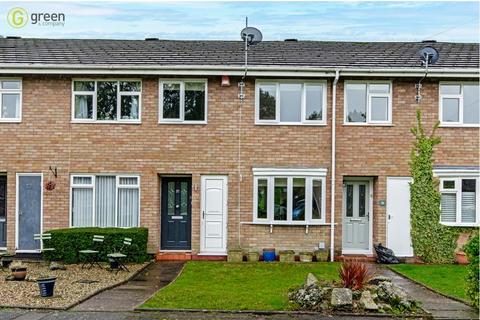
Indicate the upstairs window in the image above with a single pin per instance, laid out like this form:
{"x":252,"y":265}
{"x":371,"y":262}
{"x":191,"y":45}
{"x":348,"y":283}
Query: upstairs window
{"x":183,"y":101}
{"x":289,"y":197}
{"x":459,"y":201}
{"x":368,"y":103}
{"x":459,"y":104}
{"x":290,"y":102}
{"x":10,"y":100}
{"x":106,"y":100}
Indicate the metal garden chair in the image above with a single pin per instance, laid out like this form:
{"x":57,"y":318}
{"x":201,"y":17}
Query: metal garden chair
{"x":42,"y":237}
{"x":119,"y":257}
{"x":91,"y":256}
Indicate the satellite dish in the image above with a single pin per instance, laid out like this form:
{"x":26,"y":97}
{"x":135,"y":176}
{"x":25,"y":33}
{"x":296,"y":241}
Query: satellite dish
{"x":251,"y":35}
{"x":428,"y":55}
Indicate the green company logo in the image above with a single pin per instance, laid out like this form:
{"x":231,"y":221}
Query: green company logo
{"x":17,"y":17}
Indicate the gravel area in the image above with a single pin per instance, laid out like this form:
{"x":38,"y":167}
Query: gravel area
{"x":67,"y":288}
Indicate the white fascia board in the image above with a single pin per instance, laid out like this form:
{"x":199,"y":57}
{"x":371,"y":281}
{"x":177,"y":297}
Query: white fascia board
{"x":456,"y":173}
{"x":280,"y":71}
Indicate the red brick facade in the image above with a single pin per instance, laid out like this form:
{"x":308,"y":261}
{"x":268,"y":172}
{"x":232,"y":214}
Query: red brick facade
{"x":229,"y":144}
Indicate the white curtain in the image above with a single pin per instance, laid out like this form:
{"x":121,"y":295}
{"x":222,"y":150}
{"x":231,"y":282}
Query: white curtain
{"x":105,"y":201}
{"x":127,"y":207}
{"x":81,"y":107}
{"x":82,"y":207}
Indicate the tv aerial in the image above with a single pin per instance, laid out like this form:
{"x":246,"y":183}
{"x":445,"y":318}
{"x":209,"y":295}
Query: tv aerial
{"x":251,"y":36}
{"x":428,"y":55}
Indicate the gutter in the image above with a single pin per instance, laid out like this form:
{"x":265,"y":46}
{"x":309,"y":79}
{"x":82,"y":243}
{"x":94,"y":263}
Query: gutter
{"x":333,"y":164}
{"x":271,"y":70}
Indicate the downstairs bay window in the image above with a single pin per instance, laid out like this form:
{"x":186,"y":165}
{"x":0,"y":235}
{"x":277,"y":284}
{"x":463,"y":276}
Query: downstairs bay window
{"x":105,"y":201}
{"x":291,"y":197}
{"x":460,"y":200}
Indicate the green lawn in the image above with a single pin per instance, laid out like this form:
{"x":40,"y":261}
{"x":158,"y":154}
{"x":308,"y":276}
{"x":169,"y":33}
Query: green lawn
{"x":237,"y":286}
{"x":448,"y":279}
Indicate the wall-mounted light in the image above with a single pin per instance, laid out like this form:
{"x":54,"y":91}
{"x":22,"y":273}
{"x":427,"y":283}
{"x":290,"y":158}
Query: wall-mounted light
{"x":225,"y":81}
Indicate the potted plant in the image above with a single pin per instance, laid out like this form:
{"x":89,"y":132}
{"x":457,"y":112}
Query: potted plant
{"x":287,"y":256}
{"x":113,"y":264}
{"x":321,"y":255}
{"x":7,"y":259}
{"x":19,"y":270}
{"x":46,"y":286}
{"x":461,"y":257}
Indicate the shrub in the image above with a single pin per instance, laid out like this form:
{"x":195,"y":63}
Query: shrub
{"x":354,"y":274}
{"x":67,"y":243}
{"x":471,"y":249}
{"x":432,"y":241}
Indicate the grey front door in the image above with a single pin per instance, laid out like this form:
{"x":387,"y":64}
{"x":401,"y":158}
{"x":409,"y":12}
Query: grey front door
{"x":3,"y":211}
{"x":356,"y":215}
{"x":29,"y":211}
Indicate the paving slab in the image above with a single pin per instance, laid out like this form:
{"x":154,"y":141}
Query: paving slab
{"x":131,"y":294}
{"x":438,"y":305}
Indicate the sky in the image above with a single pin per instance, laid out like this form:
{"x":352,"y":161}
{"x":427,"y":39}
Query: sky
{"x":342,"y":21}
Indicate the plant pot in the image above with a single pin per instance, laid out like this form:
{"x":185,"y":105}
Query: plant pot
{"x":113,"y":264}
{"x":461,"y":257}
{"x":321,"y":255}
{"x":235,"y":255}
{"x":6,"y":261}
{"x":19,"y":273}
{"x":253,"y":256}
{"x":46,"y":286}
{"x":269,"y":254}
{"x":305,"y":256}
{"x":287,"y":256}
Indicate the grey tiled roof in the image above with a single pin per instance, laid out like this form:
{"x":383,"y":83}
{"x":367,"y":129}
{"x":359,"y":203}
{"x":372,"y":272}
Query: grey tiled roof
{"x":230,"y":53}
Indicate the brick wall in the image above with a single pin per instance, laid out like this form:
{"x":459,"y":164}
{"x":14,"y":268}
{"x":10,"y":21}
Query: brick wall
{"x":229,"y":144}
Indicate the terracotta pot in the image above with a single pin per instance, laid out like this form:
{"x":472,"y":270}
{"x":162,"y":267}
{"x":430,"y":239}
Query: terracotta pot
{"x":19,"y":273}
{"x":461,"y":257}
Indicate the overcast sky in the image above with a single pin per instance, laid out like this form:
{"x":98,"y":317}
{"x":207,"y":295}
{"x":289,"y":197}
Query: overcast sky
{"x":357,"y":21}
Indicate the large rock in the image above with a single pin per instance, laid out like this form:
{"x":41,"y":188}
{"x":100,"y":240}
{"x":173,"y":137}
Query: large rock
{"x":309,"y":297}
{"x":311,"y":279}
{"x":341,"y":298}
{"x":394,"y":295}
{"x":367,"y":302}
{"x":57,"y":266}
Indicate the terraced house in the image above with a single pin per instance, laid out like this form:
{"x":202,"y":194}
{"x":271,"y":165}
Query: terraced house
{"x":153,"y":133}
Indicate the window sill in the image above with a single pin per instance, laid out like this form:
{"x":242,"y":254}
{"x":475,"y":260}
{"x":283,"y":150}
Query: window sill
{"x":368,"y":124}
{"x":183,"y":122}
{"x":323,"y":124}
{"x":104,"y":122}
{"x":10,"y":120}
{"x":454,"y":224}
{"x":277,"y":223}
{"x":448,"y":125}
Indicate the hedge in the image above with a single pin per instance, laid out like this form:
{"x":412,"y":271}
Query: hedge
{"x":67,"y":243}
{"x":472,"y":251}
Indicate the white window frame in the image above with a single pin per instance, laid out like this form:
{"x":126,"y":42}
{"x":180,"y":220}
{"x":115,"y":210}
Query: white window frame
{"x":303,"y":105}
{"x":369,"y":121}
{"x":270,"y":174}
{"x":92,"y":186}
{"x":460,"y":104}
{"x":14,"y":91}
{"x":180,"y":120}
{"x":94,"y":101}
{"x":458,"y":175}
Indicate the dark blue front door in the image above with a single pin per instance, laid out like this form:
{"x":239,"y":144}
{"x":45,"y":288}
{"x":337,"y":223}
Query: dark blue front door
{"x":3,"y":211}
{"x":176,"y":214}
{"x":29,"y":211}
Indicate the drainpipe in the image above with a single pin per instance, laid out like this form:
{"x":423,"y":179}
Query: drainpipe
{"x":332,"y":182}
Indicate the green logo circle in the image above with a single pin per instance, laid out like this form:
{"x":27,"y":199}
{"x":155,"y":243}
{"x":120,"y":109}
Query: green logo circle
{"x":17,"y":17}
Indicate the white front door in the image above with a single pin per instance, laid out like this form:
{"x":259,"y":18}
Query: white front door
{"x":213,"y":228}
{"x":356,"y":217}
{"x":398,"y":216}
